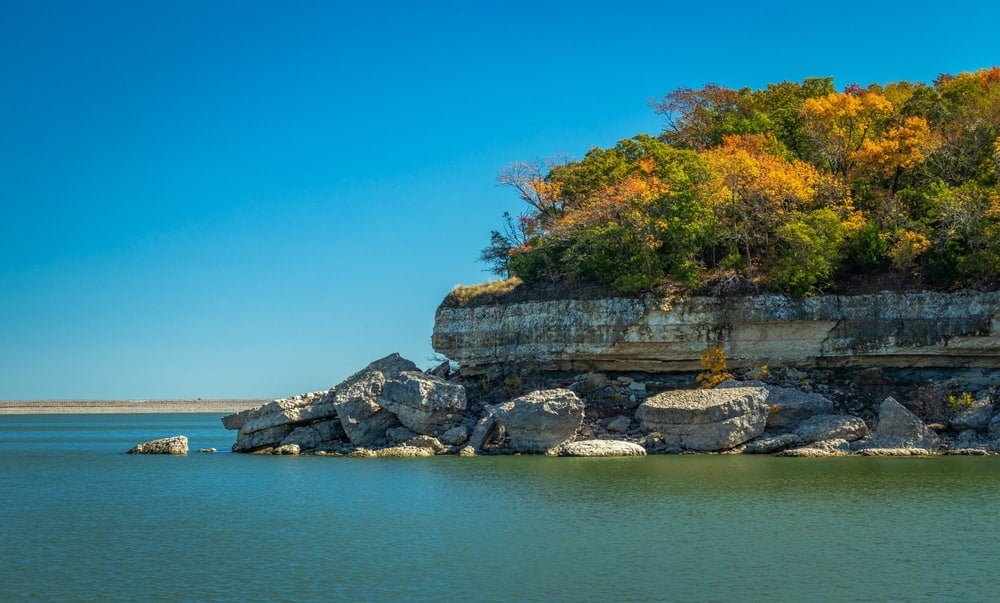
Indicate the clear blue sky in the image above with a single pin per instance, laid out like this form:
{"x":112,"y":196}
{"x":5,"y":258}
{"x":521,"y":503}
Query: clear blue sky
{"x":253,"y":199}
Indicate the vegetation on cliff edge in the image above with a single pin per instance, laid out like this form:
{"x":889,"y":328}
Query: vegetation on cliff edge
{"x":796,"y":188}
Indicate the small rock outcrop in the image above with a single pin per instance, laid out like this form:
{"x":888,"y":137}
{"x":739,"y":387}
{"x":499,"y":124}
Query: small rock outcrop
{"x":706,"y":420}
{"x":901,"y":429}
{"x":831,"y":427}
{"x":172,"y":445}
{"x":602,"y":448}
{"x":977,"y":416}
{"x":356,"y":401}
{"x":539,"y":421}
{"x":424,"y":403}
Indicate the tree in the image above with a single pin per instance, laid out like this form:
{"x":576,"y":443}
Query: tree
{"x":838,"y":124}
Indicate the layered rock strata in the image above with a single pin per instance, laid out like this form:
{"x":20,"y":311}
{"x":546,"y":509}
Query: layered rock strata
{"x":926,"y":329}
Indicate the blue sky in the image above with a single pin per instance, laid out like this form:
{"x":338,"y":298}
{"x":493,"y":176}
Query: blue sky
{"x":253,"y":199}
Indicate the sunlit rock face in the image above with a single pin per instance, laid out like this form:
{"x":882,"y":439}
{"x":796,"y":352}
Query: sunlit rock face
{"x":924,"y":329}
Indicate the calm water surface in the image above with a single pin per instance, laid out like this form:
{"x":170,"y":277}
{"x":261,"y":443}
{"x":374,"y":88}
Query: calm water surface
{"x":81,"y":521}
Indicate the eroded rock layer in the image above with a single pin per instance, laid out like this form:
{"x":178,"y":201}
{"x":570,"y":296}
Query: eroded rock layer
{"x":925,"y":329}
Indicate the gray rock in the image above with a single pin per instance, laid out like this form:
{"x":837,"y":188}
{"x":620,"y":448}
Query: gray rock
{"x":771,"y":444}
{"x":602,"y":448}
{"x":788,"y":407}
{"x":172,"y":445}
{"x":621,"y":424}
{"x":393,"y":452}
{"x":208,"y":450}
{"x":236,"y":420}
{"x":540,"y":420}
{"x":820,"y":449}
{"x":994,"y":427}
{"x":316,"y":435}
{"x":268,"y":425}
{"x":426,"y":441}
{"x":424,"y":403}
{"x":832,"y":427}
{"x":706,"y":420}
{"x":977,"y":416}
{"x":456,"y":436}
{"x":288,"y":450}
{"x":365,"y":421}
{"x":399,"y":434}
{"x":484,"y":431}
{"x":898,"y":428}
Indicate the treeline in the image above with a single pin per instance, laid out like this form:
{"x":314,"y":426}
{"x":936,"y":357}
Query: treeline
{"x":790,"y":188}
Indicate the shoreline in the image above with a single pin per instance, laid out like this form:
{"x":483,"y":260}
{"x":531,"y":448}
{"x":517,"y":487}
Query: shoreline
{"x":52,"y":407}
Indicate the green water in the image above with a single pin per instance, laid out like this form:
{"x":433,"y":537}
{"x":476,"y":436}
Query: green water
{"x":83,"y":522}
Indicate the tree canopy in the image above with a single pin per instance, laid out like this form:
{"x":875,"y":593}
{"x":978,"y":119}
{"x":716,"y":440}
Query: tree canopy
{"x":792,"y":188}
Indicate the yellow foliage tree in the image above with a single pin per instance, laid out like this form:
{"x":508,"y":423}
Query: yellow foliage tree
{"x":838,"y":124}
{"x":713,"y":360}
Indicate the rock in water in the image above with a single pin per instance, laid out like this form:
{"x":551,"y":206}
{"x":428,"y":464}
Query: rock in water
{"x":269,"y":425}
{"x":172,"y":445}
{"x":706,"y":419}
{"x":832,"y":427}
{"x":541,"y":420}
{"x":356,"y":400}
{"x":603,"y":448}
{"x":425,"y":404}
{"x":899,"y":428}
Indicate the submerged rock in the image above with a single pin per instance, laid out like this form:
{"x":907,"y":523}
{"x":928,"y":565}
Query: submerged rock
{"x":172,"y":445}
{"x":706,"y":420}
{"x":832,"y":427}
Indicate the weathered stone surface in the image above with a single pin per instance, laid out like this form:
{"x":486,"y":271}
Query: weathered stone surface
{"x":904,"y":451}
{"x":392,"y":452}
{"x":772,"y":444}
{"x":977,"y":416}
{"x":172,"y":445}
{"x":918,"y":329}
{"x":426,"y":441}
{"x":208,"y":450}
{"x":316,"y":435}
{"x":288,"y":450}
{"x":706,"y":420}
{"x":265,"y":438}
{"x":832,"y":427}
{"x":820,"y":449}
{"x":994,"y":427}
{"x":602,"y":448}
{"x":399,"y":434}
{"x":355,"y":399}
{"x":620,"y":424}
{"x":269,"y":425}
{"x":901,"y":429}
{"x":484,"y":430}
{"x":788,"y":407}
{"x":541,"y":420}
{"x":236,"y":420}
{"x":456,"y":436}
{"x":424,"y":403}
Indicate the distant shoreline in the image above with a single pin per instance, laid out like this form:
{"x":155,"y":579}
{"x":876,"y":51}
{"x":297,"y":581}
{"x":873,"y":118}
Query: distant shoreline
{"x":48,"y":407}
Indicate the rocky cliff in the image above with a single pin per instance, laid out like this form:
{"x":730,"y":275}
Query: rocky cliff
{"x":651,"y":335}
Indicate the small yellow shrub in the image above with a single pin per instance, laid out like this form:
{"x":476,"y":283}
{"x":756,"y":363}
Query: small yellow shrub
{"x":713,"y":360}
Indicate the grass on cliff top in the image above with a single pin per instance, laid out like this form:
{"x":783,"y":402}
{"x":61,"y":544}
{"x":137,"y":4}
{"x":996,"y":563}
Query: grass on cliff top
{"x":514,"y":290}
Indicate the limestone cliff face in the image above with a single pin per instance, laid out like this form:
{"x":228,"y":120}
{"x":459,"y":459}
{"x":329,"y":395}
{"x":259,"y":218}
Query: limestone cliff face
{"x":926,"y":329}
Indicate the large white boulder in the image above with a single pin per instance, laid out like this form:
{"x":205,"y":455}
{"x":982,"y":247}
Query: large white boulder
{"x":706,"y":419}
{"x":541,"y":420}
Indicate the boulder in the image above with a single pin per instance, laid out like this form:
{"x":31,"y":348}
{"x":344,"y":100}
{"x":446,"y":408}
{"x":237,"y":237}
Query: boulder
{"x":620,"y":424}
{"x":356,"y":401}
{"x":426,"y":441}
{"x":399,"y":434}
{"x":172,"y":445}
{"x":706,"y":420}
{"x":317,"y":435}
{"x":236,"y":420}
{"x":994,"y":427}
{"x":602,"y":448}
{"x":831,"y":427}
{"x":977,"y":416}
{"x":820,"y":449}
{"x":771,"y":444}
{"x":540,"y":420}
{"x":788,"y":407}
{"x":426,"y":404}
{"x":392,"y":452}
{"x":484,"y":431}
{"x":288,"y":450}
{"x":898,"y":428}
{"x":269,"y":425}
{"x":456,"y":436}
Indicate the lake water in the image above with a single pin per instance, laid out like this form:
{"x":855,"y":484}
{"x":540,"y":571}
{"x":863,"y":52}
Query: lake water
{"x":81,"y":521}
